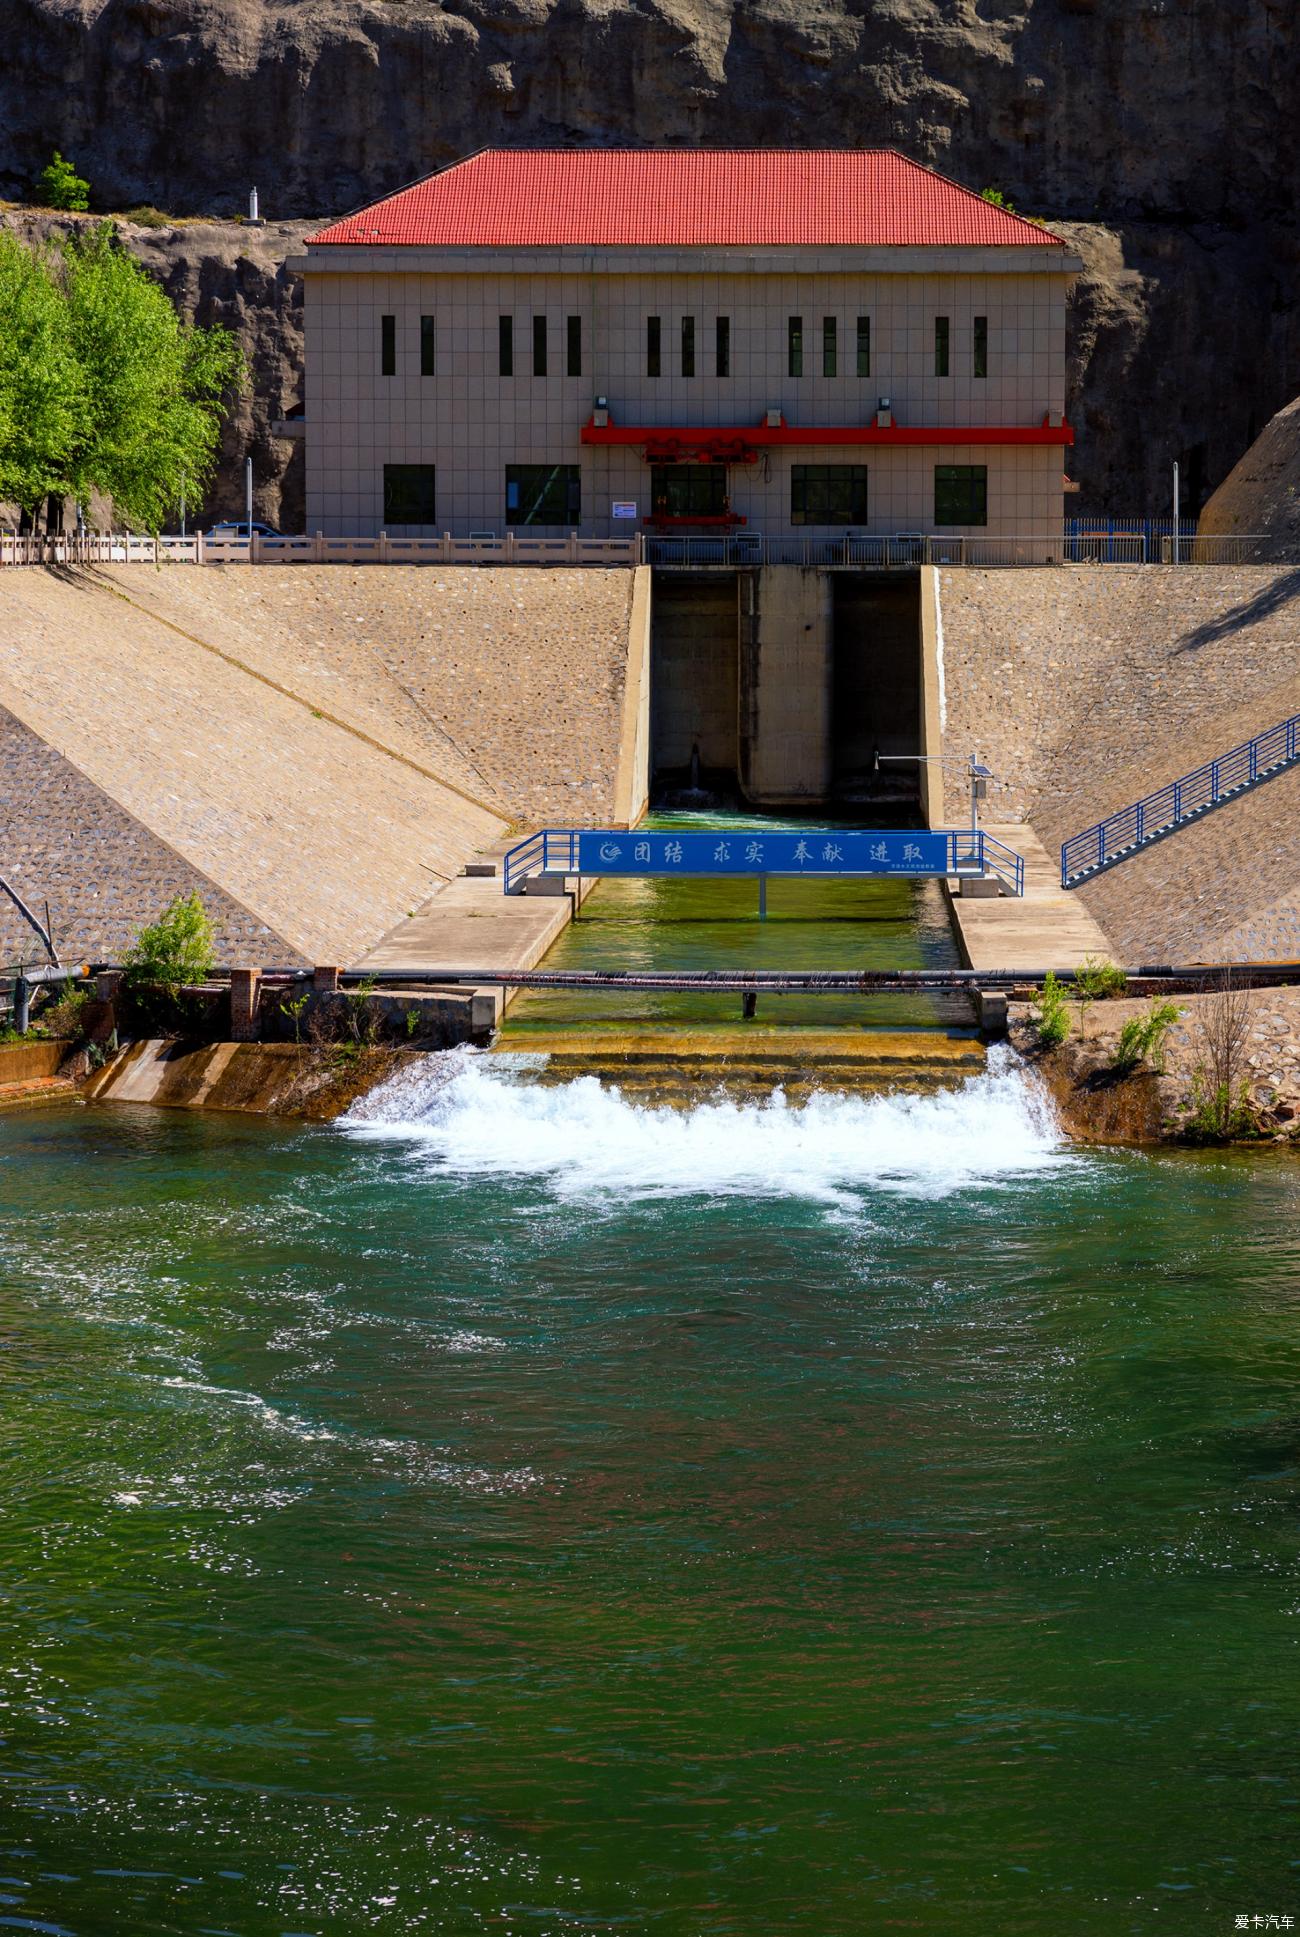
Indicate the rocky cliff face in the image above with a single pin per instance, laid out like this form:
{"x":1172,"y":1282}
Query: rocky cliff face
{"x":1162,"y":134}
{"x":1137,"y":109}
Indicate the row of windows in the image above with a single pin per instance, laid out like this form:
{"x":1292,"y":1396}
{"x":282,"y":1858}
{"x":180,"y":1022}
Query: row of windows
{"x":820,"y":494}
{"x":796,"y":344}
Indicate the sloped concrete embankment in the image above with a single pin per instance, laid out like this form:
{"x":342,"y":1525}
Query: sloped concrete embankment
{"x":1085,"y":689}
{"x":253,"y":1079}
{"x":318,"y":751}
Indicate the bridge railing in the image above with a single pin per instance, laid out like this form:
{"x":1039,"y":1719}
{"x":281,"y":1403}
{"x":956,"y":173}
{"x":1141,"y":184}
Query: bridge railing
{"x":733,"y":550}
{"x":964,"y":851}
{"x":1187,"y":798}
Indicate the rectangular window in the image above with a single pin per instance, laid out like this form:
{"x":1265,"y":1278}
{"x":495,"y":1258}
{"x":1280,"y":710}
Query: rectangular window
{"x":543,"y":494}
{"x":828,"y":494}
{"x":573,"y":364}
{"x":388,"y":346}
{"x":864,"y":346}
{"x":829,"y":346}
{"x":688,"y":490}
{"x":653,"y":347}
{"x":539,"y":346}
{"x":961,"y":494}
{"x":506,"y":346}
{"x":408,"y":495}
{"x":941,"y":346}
{"x":428,"y":347}
{"x":688,"y":346}
{"x":980,"y":347}
{"x":794,"y":346}
{"x":722,"y":345}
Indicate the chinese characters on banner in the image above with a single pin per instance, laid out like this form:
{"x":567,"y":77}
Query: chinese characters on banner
{"x":696,"y":851}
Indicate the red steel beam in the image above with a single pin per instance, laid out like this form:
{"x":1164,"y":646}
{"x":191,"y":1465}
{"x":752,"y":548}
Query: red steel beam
{"x":691,"y":437}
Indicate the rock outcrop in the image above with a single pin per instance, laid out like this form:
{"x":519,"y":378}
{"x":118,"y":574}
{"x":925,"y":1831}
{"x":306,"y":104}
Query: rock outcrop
{"x":1165,"y":110}
{"x":1260,"y":497}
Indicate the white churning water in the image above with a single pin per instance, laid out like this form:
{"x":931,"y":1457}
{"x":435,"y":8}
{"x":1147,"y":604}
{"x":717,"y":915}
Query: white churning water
{"x":476,"y":1119}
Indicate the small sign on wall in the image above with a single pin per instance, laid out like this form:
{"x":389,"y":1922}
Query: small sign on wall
{"x":624,"y":508}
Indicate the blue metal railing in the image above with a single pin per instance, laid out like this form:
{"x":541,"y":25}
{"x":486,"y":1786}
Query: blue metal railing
{"x":1183,"y":800}
{"x":968,"y":851}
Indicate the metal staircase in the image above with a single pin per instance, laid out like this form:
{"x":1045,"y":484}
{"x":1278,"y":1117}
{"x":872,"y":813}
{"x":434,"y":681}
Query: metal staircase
{"x":1189,"y":798}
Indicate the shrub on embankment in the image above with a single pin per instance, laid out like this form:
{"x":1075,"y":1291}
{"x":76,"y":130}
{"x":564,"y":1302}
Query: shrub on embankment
{"x":1220,"y":1066}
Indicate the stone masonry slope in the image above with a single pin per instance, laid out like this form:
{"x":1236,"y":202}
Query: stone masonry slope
{"x":1225,"y":888}
{"x":508,"y":684}
{"x":323,"y":838}
{"x":103,"y":873}
{"x":1086,"y":688}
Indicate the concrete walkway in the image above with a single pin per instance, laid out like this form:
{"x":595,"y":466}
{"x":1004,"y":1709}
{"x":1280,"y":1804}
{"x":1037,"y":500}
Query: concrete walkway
{"x":473,"y":924}
{"x":1044,"y":928}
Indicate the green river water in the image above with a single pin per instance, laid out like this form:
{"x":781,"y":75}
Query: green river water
{"x":520,"y":1510}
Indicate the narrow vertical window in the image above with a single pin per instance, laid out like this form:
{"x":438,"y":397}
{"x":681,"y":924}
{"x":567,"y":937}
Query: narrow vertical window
{"x":428,"y":347}
{"x":388,"y":346}
{"x":573,"y":365}
{"x":980,"y":347}
{"x":794,"y":346}
{"x":864,"y":346}
{"x":539,"y":346}
{"x":653,"y":350}
{"x":941,"y":346}
{"x":830,"y":346}
{"x":722,"y":345}
{"x":506,"y":346}
{"x":688,"y":346}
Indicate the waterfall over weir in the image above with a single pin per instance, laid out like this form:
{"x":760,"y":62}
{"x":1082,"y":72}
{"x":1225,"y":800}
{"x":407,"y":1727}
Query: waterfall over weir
{"x":476,"y":1116}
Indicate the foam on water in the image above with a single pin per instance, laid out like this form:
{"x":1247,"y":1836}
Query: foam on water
{"x":472,"y":1118}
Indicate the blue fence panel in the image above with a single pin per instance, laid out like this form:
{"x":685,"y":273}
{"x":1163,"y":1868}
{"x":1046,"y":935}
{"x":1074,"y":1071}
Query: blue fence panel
{"x":759,"y":852}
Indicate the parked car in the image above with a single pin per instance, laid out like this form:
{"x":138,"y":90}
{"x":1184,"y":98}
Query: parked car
{"x":230,"y":528}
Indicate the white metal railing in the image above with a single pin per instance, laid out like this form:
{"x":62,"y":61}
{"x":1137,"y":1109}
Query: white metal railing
{"x":681,"y":551}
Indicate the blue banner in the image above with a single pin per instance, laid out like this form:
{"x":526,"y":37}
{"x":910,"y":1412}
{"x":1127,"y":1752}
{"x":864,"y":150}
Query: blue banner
{"x":790,"y":851}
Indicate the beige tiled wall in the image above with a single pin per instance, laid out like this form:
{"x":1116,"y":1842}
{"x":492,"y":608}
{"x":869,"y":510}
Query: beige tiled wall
{"x":471,"y":422}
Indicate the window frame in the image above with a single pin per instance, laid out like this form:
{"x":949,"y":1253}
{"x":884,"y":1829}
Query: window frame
{"x":573,"y":346}
{"x":388,"y":346}
{"x":942,"y":347}
{"x":654,"y":346}
{"x":690,"y":478}
{"x":428,"y":346}
{"x":541,"y":338}
{"x":980,"y":347}
{"x":568,"y":478}
{"x":427,"y":514}
{"x":863,"y":346}
{"x":794,"y":346}
{"x":854,"y":475}
{"x":688,"y":346}
{"x":505,"y":346}
{"x":722,"y":346}
{"x":830,"y":346}
{"x":976,"y":478}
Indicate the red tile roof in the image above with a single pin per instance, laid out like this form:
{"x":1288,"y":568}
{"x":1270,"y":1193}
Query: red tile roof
{"x":661,"y":198}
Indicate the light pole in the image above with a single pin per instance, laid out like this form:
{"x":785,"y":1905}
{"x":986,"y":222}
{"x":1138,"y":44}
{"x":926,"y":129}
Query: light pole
{"x":978,"y":774}
{"x":1176,"y":509}
{"x":248,"y":501}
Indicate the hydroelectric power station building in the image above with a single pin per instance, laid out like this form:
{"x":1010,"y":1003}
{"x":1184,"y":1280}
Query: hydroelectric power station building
{"x":765,"y":343}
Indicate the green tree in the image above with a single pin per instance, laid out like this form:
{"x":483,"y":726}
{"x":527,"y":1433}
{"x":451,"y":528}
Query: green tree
{"x":60,"y":186}
{"x":42,"y":397}
{"x":177,"y":948}
{"x":154,"y":386}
